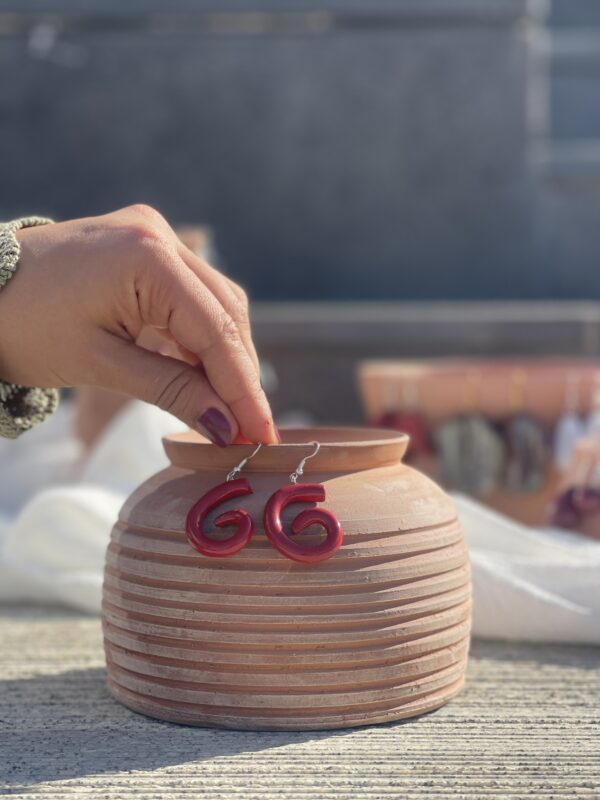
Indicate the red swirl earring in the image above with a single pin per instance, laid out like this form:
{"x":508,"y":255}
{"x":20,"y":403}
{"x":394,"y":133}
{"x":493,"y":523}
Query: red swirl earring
{"x":233,"y":487}
{"x":296,"y":492}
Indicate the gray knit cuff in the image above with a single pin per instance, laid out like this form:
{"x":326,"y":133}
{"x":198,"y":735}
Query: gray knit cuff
{"x":10,"y":249}
{"x":21,"y":407}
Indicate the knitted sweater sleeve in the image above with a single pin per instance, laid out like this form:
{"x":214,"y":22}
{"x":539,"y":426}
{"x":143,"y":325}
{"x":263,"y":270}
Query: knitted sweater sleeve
{"x":21,"y":407}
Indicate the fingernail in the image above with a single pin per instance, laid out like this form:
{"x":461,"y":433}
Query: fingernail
{"x":278,"y":435}
{"x":216,"y":427}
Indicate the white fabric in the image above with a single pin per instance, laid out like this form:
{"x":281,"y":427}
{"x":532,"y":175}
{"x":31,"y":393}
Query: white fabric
{"x":531,"y":584}
{"x":53,"y":550}
{"x":541,"y":585}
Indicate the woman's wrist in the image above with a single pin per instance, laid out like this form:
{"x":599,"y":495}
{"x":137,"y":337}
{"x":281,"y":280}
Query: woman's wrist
{"x":21,"y":407}
{"x":10,"y":249}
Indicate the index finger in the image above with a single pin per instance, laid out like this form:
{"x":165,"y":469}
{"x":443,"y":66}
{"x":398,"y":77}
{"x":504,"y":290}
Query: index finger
{"x":198,"y":321}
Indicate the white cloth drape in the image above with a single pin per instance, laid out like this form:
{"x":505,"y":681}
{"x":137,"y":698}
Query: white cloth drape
{"x":531,"y":584}
{"x":53,"y":549}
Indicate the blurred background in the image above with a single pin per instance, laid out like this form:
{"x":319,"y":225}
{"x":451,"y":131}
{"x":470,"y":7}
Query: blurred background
{"x":342,"y":150}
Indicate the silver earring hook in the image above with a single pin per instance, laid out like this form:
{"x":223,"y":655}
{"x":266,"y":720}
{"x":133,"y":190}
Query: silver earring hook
{"x":300,"y":468}
{"x":236,"y":470}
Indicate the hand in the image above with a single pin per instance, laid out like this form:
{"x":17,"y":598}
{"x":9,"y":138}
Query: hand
{"x":86,"y":295}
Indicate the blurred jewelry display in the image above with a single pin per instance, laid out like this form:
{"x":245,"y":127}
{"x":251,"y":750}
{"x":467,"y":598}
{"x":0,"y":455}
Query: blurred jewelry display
{"x":470,"y":450}
{"x":527,"y":443}
{"x":592,"y":424}
{"x":406,"y":418}
{"x":570,"y":427}
{"x":502,"y":428}
{"x":477,"y":454}
{"x":580,"y":498}
{"x":572,"y":505}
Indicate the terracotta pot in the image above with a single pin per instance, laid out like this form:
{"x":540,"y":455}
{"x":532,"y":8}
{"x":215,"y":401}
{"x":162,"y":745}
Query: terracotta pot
{"x":378,"y":632}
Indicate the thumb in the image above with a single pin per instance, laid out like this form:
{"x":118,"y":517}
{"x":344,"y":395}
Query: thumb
{"x":168,"y":383}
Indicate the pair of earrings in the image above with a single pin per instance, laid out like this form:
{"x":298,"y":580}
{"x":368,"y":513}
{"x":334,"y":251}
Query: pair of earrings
{"x":294,"y":492}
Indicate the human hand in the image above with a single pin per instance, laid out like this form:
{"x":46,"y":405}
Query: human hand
{"x":89,"y":292}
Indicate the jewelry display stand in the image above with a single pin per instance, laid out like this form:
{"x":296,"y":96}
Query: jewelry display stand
{"x":444,"y":389}
{"x":377,"y":629}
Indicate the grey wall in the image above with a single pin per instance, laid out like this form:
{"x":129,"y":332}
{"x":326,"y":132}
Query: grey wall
{"x":364,"y":150}
{"x":566,"y":156}
{"x":314,"y":349}
{"x":341,"y":149}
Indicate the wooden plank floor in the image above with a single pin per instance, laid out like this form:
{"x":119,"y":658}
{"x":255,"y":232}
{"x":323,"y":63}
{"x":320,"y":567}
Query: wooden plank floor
{"x":527,"y":726}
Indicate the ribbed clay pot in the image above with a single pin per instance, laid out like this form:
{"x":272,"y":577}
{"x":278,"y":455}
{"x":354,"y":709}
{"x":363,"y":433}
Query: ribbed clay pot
{"x":378,"y":632}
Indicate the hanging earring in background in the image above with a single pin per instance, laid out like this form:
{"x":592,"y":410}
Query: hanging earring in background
{"x":389,"y":416}
{"x":411,"y":422}
{"x":296,"y":492}
{"x":592,"y":424}
{"x":405,"y":418}
{"x":582,"y":493}
{"x":233,"y":487}
{"x":570,"y":427}
{"x":470,"y":449}
{"x":527,"y":442}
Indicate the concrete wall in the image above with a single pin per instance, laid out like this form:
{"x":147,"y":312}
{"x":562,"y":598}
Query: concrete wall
{"x":375,"y":149}
{"x":345,"y":149}
{"x":566,"y":155}
{"x":314,"y":349}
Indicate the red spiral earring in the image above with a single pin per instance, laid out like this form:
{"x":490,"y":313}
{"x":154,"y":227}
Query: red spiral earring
{"x":302,"y":493}
{"x":233,"y":487}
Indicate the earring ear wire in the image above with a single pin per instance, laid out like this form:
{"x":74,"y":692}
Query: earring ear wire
{"x":231,"y":476}
{"x":299,"y":471}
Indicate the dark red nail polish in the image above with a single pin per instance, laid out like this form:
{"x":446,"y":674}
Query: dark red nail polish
{"x":216,"y":426}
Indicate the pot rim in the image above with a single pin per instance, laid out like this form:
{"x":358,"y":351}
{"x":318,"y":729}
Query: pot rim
{"x":343,"y":449}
